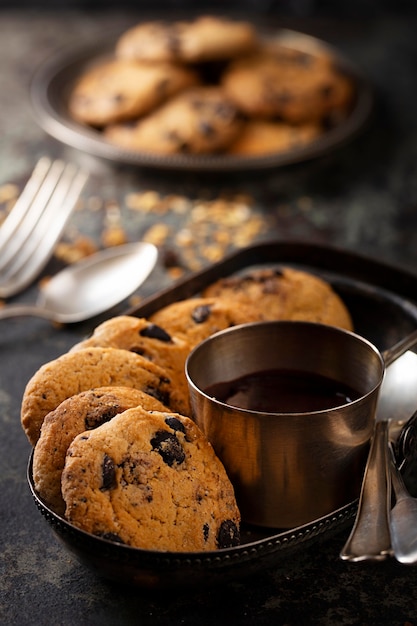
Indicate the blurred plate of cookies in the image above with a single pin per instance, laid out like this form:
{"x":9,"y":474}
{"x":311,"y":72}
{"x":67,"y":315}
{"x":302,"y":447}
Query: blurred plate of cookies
{"x":208,"y":94}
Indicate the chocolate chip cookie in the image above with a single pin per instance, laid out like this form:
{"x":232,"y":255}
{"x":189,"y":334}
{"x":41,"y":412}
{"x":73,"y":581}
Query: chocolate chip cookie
{"x":286,"y":294}
{"x":259,"y":136}
{"x":151,"y":341}
{"x":82,"y":412}
{"x":200,"y":120}
{"x":78,"y":371}
{"x":119,"y":90}
{"x":291,"y":85}
{"x":195,"y":319}
{"x":206,"y":38}
{"x":150,"y":480}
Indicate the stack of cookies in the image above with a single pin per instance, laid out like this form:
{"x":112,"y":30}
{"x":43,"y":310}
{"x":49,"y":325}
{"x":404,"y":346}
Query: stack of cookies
{"x":115,"y":448}
{"x":207,"y":86}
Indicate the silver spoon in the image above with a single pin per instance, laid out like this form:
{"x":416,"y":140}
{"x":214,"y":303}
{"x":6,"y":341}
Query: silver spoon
{"x":370,"y":536}
{"x":92,"y":285}
{"x":403,"y":519}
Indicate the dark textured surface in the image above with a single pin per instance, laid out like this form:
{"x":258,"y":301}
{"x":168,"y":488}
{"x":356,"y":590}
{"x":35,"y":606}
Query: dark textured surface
{"x":363,"y":198}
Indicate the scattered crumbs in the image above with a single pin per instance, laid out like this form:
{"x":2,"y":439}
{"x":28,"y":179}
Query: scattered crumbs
{"x":157,"y":234}
{"x":112,"y":213}
{"x":144,"y":201}
{"x":190,"y":233}
{"x":8,"y":197}
{"x":175,"y":272}
{"x":94,"y":203}
{"x":8,"y":193}
{"x":135,"y":300}
{"x":113,"y":236}
{"x":70,"y":252}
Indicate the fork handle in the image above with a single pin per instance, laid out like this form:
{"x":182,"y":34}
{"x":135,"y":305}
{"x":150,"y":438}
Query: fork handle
{"x":20,"y":310}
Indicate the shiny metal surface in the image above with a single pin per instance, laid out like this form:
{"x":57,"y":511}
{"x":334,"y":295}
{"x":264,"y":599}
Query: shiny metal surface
{"x":370,"y":538}
{"x":90,"y":286}
{"x":32,"y":228}
{"x":403,"y":518}
{"x":288,"y":469}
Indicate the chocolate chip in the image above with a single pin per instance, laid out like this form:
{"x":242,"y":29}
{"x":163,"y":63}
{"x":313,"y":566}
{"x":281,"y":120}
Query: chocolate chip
{"x":226,"y":111}
{"x":201,"y":313}
{"x":162,"y":396}
{"x":100,"y":415}
{"x":206,"y":530}
{"x":228,"y":534}
{"x":168,"y":447}
{"x":110,"y":537}
{"x":207,"y":129}
{"x":175,"y":423}
{"x":140,"y":350}
{"x":326,"y":90}
{"x":108,"y":474}
{"x":155,"y":332}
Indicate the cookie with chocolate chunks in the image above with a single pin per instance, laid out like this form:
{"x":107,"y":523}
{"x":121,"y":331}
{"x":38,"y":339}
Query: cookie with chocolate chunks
{"x":206,"y":38}
{"x":290,"y":85}
{"x":195,"y":319}
{"x":200,"y":120}
{"x":78,"y":371}
{"x":82,"y":412}
{"x":283,"y":294}
{"x":151,"y":480}
{"x":151,"y":341}
{"x":119,"y":89}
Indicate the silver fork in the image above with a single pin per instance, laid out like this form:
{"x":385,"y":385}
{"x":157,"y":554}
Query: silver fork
{"x":29,"y":233}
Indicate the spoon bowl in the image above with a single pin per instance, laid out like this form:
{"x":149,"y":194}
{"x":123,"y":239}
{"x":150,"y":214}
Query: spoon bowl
{"x":92,"y":285}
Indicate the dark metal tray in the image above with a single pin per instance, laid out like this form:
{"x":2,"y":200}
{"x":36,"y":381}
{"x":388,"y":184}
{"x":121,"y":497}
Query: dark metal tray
{"x":382,"y":300}
{"x":55,"y":78}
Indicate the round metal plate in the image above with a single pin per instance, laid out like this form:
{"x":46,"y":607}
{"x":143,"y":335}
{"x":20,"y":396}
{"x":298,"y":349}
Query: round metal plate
{"x":54,"y":80}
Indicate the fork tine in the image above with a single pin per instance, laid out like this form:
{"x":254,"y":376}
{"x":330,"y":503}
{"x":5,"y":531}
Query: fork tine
{"x":30,"y":252}
{"x":29,"y":211}
{"x":49,"y":225}
{"x":24,"y":201}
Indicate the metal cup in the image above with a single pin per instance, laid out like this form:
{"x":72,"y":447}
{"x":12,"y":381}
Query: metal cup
{"x":288,"y":469}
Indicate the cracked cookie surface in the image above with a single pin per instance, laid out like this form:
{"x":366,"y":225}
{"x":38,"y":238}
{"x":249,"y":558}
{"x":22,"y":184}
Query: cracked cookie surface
{"x":150,"y":480}
{"x":78,"y":371}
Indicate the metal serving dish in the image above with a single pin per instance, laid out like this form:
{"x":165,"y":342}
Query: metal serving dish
{"x":54,"y":80}
{"x":381,"y":300}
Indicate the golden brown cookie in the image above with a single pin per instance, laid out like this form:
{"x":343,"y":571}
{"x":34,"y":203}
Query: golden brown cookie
{"x":197,"y":121}
{"x":206,"y":38}
{"x":284,"y":294}
{"x":266,"y":136}
{"x":150,"y":480}
{"x":78,"y":371}
{"x":142,"y":337}
{"x":294,"y":86}
{"x":122,"y":90}
{"x":84,"y":411}
{"x":195,"y":319}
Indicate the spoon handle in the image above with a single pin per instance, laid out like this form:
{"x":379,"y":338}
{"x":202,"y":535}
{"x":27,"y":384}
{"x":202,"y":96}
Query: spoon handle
{"x":370,"y":537}
{"x":18,"y":310}
{"x":403,"y":519}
